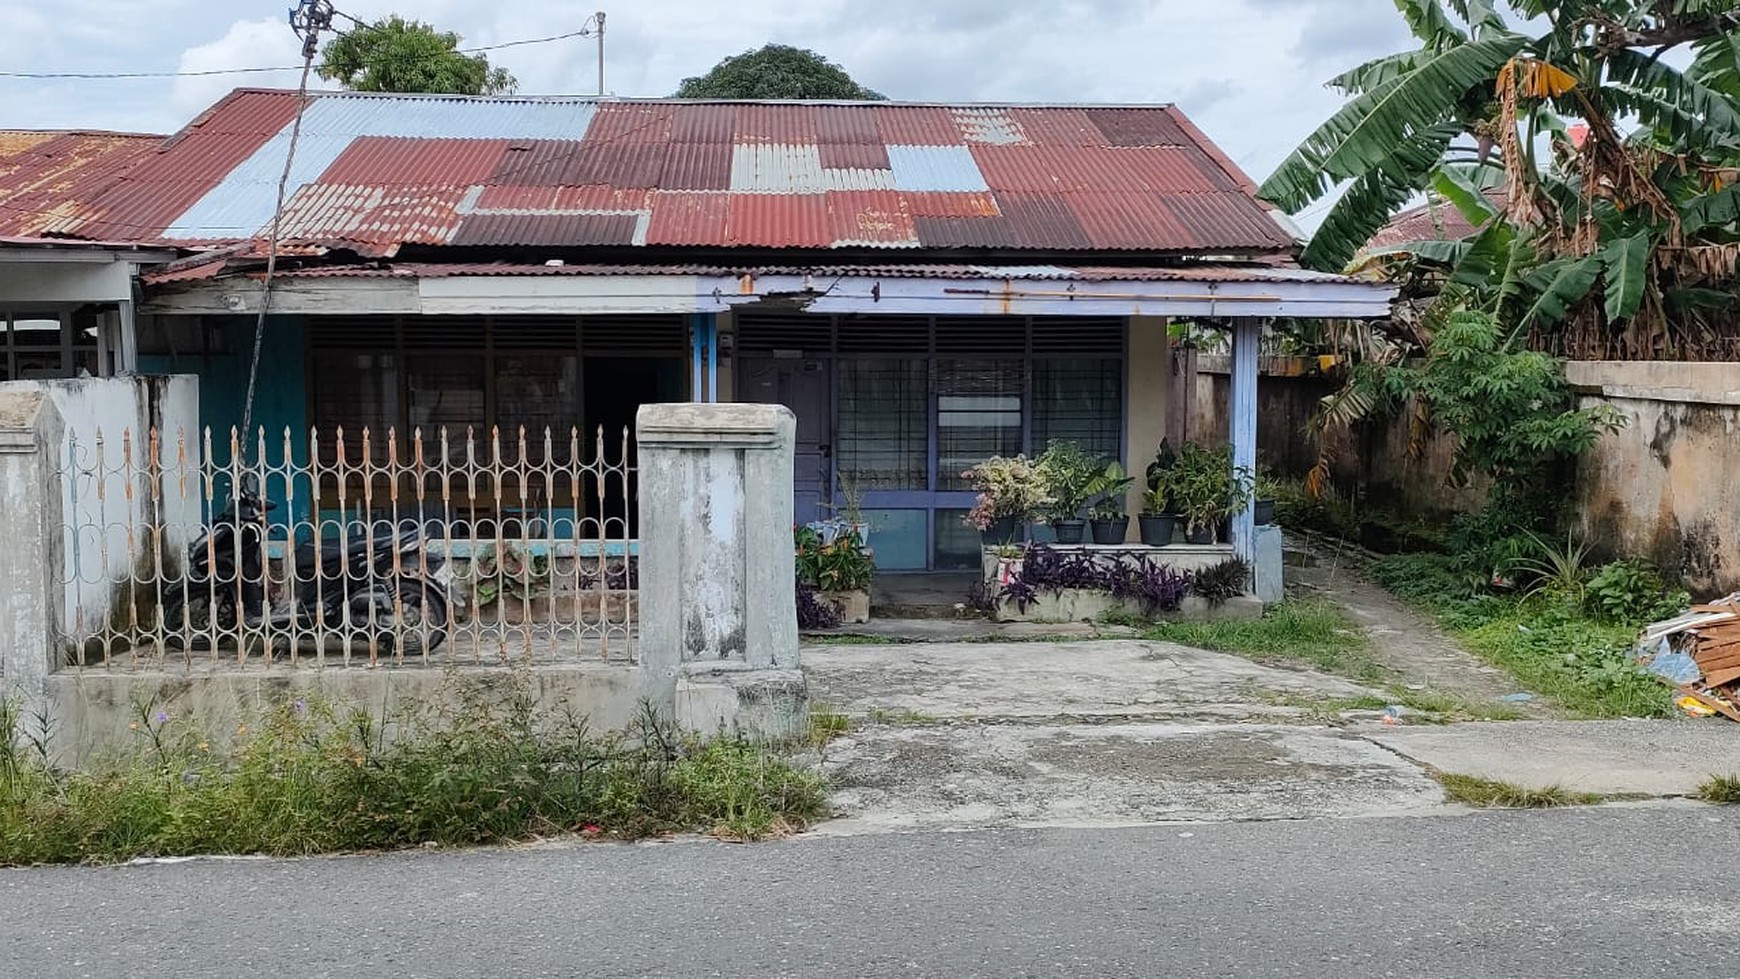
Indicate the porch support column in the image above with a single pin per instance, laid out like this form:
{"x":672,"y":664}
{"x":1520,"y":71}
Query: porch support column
{"x":1147,"y":388}
{"x":703,"y":358}
{"x":1247,"y":336}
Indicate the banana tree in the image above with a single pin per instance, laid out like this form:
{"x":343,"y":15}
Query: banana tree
{"x":1617,"y":245}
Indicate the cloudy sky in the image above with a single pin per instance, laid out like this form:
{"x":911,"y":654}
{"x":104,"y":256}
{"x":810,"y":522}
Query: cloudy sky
{"x":1250,"y":72}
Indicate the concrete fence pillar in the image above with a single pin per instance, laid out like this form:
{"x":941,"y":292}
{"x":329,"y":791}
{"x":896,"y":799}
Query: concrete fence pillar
{"x":31,"y":541}
{"x":717,"y":580}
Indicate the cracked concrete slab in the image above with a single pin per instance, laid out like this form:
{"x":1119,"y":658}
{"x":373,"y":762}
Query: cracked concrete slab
{"x":952,"y":777}
{"x":1647,"y":757}
{"x":1119,"y":679}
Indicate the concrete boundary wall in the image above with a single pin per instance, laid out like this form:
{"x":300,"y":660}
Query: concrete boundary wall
{"x":1666,"y":486}
{"x":718,"y":651}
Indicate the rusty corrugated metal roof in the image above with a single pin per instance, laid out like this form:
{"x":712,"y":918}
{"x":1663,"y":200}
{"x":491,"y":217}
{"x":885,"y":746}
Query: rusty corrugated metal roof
{"x":392,"y":170}
{"x":1200,"y":272}
{"x":49,"y":180}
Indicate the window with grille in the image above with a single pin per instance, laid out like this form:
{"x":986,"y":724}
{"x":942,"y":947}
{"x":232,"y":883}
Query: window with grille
{"x":40,"y":345}
{"x":1079,"y":400}
{"x":884,"y":428}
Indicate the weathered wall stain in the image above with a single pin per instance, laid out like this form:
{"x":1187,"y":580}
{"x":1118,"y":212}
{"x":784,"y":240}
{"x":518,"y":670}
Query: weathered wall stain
{"x":1665,"y":487}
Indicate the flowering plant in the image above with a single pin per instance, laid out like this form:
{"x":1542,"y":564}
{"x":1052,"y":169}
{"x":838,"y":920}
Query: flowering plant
{"x":1009,"y":489}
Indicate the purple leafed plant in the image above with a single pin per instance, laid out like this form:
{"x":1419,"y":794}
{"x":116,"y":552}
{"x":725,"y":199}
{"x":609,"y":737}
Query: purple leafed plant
{"x":814,"y":611}
{"x":1159,"y":587}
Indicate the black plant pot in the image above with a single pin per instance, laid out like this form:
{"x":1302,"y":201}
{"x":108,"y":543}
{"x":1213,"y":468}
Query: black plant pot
{"x":1069,"y":531}
{"x":999,"y":533}
{"x":1199,"y":535}
{"x":1158,"y":528}
{"x":1264,"y":512}
{"x":1111,"y":531}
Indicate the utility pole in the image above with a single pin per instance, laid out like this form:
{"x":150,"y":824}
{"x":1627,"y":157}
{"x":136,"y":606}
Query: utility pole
{"x":598,"y":21}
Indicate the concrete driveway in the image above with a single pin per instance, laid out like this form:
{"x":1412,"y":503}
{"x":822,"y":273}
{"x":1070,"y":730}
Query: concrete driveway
{"x":1099,"y":733}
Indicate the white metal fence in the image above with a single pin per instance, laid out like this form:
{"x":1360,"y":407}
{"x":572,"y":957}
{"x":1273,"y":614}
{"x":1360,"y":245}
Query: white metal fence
{"x":347,"y":550}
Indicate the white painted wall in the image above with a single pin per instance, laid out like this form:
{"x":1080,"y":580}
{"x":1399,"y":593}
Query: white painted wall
{"x":109,"y":506}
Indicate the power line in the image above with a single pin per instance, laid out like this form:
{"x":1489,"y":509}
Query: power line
{"x":109,"y":75}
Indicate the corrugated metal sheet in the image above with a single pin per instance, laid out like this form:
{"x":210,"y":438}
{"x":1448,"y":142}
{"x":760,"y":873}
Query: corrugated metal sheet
{"x":917,"y":125}
{"x":447,"y":162}
{"x":559,"y":230}
{"x":936,"y":169}
{"x":1185,"y":273}
{"x":863,"y":156}
{"x":873,"y":219}
{"x":1042,"y":221}
{"x":992,"y":126}
{"x":801,"y":219}
{"x":51,"y":181}
{"x":1138,"y":127}
{"x":697,"y":166}
{"x":391,"y":170}
{"x":687,"y":218}
{"x":776,"y":122}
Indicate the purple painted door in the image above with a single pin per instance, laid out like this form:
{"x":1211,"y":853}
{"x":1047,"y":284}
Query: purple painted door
{"x":802,"y":386}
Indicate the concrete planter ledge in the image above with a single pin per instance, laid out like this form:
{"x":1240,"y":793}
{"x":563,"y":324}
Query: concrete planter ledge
{"x":1083,"y":605}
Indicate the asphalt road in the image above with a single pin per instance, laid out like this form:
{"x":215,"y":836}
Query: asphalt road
{"x":1609,"y":892}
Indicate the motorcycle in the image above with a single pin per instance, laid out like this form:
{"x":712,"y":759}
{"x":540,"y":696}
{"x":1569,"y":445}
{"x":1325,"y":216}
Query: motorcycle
{"x":377,"y":583}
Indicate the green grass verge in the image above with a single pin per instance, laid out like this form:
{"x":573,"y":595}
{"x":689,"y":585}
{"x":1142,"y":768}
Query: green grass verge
{"x":1304,"y":632}
{"x":308,"y":778}
{"x":1579,"y":663}
{"x":1721,"y":789}
{"x":1318,"y":634}
{"x":1486,"y":793}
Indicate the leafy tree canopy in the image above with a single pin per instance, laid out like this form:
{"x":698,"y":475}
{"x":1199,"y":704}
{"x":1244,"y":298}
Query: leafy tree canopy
{"x":776,"y":71}
{"x":399,"y":55}
{"x":1615,"y":234}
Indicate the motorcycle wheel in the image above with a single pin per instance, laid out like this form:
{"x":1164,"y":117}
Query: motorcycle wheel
{"x":417,"y":624}
{"x":188,"y":622}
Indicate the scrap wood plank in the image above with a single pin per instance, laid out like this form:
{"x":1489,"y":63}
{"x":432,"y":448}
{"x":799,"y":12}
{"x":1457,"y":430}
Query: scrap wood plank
{"x":1707,"y":647}
{"x":1721,"y":661}
{"x":1714,"y":703}
{"x":1722,"y":677}
{"x":1686,"y":622}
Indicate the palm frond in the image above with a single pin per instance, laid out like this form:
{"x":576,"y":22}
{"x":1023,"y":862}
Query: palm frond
{"x":1369,"y":201}
{"x":1366,"y":131}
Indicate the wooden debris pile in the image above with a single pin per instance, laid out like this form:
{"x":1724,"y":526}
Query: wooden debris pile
{"x":1699,"y":654}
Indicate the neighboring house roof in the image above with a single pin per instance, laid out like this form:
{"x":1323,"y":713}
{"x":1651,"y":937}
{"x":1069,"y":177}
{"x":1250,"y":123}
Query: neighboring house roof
{"x":49,"y":180}
{"x":1432,"y":221}
{"x":374,"y":173}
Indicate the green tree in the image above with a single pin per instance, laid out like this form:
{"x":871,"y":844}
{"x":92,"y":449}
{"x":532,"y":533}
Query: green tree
{"x":776,"y":71}
{"x":399,"y":55}
{"x":1610,"y":243}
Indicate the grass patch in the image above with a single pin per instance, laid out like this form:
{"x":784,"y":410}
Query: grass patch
{"x":1423,"y":706}
{"x":1486,"y":793}
{"x":309,"y":778}
{"x":902,"y":718}
{"x":826,"y":725}
{"x":1721,"y":789}
{"x":1580,"y":663}
{"x":1303,"y":632}
{"x":851,"y":639}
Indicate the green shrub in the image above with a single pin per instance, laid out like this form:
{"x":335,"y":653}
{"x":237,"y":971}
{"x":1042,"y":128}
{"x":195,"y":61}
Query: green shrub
{"x":1631,"y":592}
{"x":470,"y":769}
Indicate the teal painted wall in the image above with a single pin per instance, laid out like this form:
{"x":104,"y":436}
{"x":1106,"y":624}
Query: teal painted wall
{"x":280,"y":398}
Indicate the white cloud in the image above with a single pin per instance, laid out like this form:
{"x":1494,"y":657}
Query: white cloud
{"x":247,"y":44}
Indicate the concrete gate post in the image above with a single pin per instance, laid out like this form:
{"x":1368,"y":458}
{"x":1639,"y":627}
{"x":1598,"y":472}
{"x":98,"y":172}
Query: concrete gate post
{"x":717,"y":579}
{"x":30,"y":527}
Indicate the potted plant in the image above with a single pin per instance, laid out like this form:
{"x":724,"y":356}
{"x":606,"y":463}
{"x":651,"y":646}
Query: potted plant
{"x":839,"y":570}
{"x":1157,"y":523}
{"x":507,"y":584}
{"x":1263,"y":508}
{"x":1011,"y":492}
{"x":1207,"y":489}
{"x":1110,"y":521}
{"x":1069,"y":475}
